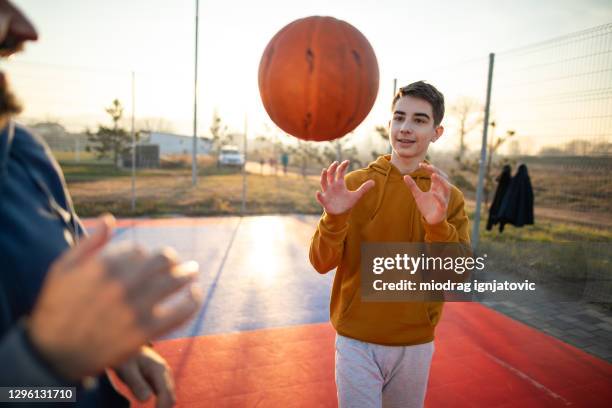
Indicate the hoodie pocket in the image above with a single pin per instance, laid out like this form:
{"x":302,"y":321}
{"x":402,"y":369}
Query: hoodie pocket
{"x":377,"y":313}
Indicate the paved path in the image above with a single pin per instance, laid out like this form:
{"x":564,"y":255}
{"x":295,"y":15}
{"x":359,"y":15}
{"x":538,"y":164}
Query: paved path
{"x":586,"y":326}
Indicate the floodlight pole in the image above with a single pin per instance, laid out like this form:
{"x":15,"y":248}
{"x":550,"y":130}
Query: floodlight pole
{"x":133,"y":131}
{"x":244,"y":170}
{"x":483,"y":158}
{"x":194,"y":153}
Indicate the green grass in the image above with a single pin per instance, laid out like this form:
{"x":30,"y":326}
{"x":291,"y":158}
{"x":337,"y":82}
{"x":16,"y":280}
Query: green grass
{"x":553,"y":252}
{"x":78,"y":172}
{"x":542,"y":231}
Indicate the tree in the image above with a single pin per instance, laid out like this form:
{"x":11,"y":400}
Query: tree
{"x":338,"y":150}
{"x":218,"y":131}
{"x":494,"y":145}
{"x":578,"y":147}
{"x":111,"y":141}
{"x":304,"y":154}
{"x":550,"y":151}
{"x":383,"y":133}
{"x":492,"y":166}
{"x":467,"y":111}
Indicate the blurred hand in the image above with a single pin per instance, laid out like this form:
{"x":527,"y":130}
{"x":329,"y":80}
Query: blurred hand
{"x":94,"y":310}
{"x":334,"y":196}
{"x":146,"y":374}
{"x":432,"y":204}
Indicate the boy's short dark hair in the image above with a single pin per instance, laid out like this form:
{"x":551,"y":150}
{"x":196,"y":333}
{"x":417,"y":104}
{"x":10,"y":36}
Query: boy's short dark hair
{"x":426,"y":92}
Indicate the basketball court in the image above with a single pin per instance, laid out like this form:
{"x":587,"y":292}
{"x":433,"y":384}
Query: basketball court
{"x":263,"y":337}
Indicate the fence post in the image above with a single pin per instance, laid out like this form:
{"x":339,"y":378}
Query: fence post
{"x":194,"y":153}
{"x":77,"y":149}
{"x":483,"y":158}
{"x":244,"y":175}
{"x":133,"y":131}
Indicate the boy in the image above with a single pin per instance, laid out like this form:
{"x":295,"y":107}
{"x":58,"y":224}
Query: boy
{"x":384,"y":350}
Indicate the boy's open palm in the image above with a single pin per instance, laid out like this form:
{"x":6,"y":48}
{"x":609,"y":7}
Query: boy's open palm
{"x":334,"y":196}
{"x":432,"y":204}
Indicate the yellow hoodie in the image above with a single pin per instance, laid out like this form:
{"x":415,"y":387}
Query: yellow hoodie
{"x":386,"y":213}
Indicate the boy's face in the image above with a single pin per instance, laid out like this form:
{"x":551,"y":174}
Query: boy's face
{"x":412,"y":127}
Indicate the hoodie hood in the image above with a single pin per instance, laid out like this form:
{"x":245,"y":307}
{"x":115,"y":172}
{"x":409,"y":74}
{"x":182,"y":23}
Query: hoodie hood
{"x":383,"y":165}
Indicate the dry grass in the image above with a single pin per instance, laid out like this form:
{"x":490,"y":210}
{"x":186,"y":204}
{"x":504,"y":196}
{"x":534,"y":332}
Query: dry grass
{"x":170,"y":192}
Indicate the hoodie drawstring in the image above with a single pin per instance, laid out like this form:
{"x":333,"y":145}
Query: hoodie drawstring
{"x":382,"y":193}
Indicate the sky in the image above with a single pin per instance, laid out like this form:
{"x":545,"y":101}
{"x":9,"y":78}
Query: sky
{"x":88,"y":50}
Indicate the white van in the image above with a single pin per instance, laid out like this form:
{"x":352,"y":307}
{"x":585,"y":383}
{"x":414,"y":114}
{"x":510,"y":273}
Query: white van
{"x":231,"y":156}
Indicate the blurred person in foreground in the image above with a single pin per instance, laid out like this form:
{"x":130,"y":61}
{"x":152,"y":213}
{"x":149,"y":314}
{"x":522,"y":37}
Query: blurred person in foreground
{"x":69,"y":311}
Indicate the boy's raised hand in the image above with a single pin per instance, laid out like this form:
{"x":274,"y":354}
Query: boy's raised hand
{"x":334,"y":196}
{"x":432,"y":204}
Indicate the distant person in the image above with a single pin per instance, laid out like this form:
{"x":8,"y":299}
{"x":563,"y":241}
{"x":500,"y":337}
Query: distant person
{"x":285,"y":162}
{"x":273,"y":165}
{"x":384,"y":349}
{"x":67,"y":310}
{"x":261,"y":165}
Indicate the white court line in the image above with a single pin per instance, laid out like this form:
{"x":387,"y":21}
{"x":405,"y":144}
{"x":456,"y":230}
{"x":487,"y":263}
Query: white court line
{"x":528,"y":378}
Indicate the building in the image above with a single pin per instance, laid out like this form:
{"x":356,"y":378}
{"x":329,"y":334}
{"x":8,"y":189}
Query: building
{"x":170,"y":143}
{"x":58,"y":138}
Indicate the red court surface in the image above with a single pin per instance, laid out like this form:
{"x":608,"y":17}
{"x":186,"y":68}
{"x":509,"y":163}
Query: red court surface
{"x":262,"y":337}
{"x":482,"y":359}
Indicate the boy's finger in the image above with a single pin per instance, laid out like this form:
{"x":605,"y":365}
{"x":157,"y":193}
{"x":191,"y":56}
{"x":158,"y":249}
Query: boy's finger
{"x":442,"y":182}
{"x":342,"y":170}
{"x":414,"y":189}
{"x":433,"y":170}
{"x":331,"y":172}
{"x":319,"y":198}
{"x":441,"y":199}
{"x":364,"y":188}
{"x":324,"y":180}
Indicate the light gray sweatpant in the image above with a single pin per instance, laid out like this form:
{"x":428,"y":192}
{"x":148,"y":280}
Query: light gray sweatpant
{"x":373,"y":376}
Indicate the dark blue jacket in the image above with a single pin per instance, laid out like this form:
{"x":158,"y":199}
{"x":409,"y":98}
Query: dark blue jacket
{"x":37,"y":224}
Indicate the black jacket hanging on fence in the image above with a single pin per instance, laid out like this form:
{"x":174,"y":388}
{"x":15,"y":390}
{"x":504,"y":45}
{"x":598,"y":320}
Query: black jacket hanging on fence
{"x":516,"y":206}
{"x":503,"y":183}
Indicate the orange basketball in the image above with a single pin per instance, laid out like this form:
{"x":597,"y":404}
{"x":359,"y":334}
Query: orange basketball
{"x":318,"y":78}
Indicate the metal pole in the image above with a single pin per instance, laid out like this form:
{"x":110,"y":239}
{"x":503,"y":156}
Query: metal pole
{"x":244,"y":175}
{"x":194,"y":153}
{"x":133,"y":145}
{"x":77,"y":151}
{"x":483,"y":157}
{"x":390,"y":149}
